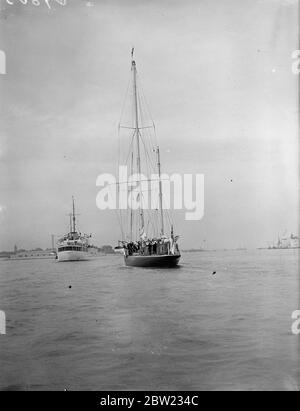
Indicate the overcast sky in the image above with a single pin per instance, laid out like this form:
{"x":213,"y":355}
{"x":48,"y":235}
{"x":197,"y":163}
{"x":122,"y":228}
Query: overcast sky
{"x":217,"y":76}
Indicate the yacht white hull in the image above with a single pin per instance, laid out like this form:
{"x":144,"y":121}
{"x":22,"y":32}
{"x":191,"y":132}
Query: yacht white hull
{"x":119,"y":250}
{"x":73,"y":256}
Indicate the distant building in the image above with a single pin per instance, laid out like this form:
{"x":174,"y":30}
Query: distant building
{"x":5,"y":254}
{"x":32,"y":254}
{"x":286,"y":241}
{"x":294,"y":241}
{"x":107,"y":249}
{"x":97,"y":252}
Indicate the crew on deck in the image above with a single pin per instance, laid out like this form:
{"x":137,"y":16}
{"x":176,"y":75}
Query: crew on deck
{"x":154,"y":246}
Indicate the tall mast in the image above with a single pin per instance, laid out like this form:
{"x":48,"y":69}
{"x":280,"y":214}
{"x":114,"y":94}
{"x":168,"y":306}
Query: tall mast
{"x":137,"y":132}
{"x":74,"y":226}
{"x":160,"y":194}
{"x":131,"y":210}
{"x":71,"y":229}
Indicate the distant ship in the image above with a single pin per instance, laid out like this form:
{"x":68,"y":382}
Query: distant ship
{"x":119,"y":249}
{"x":285,"y":242}
{"x":73,"y":246}
{"x":146,"y":244}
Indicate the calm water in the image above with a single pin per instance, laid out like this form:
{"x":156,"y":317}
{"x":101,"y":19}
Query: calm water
{"x":121,"y":328}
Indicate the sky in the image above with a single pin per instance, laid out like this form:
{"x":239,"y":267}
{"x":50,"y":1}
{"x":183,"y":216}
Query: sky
{"x":217,"y":77}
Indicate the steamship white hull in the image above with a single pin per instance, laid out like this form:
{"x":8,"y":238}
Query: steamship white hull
{"x":73,"y":256}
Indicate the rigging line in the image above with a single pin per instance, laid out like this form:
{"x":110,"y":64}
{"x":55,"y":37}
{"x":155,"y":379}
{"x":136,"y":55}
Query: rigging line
{"x":136,"y":181}
{"x":151,"y":160}
{"x":157,"y":230}
{"x":143,"y":106}
{"x":149,"y":221}
{"x":119,"y":219}
{"x":141,"y":111}
{"x":142,"y":138}
{"x":148,"y":134}
{"x":134,"y":128}
{"x":168,"y":213}
{"x":127,"y":224}
{"x":131,"y":211}
{"x":120,"y":215}
{"x":170,"y":219}
{"x":149,"y":111}
{"x":118,"y":166}
{"x":162,"y":210}
{"x":135,"y":188}
{"x":125,"y":99}
{"x":144,"y":97}
{"x":152,"y":221}
{"x":147,"y":158}
{"x":132,"y":109}
{"x":147,"y":137}
{"x":151,"y":179}
{"x":130,"y":147}
{"x":145,"y":145}
{"x":155,"y":137}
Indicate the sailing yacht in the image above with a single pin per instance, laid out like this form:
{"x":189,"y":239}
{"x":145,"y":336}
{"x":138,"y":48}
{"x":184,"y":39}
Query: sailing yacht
{"x":146,"y":244}
{"x":73,"y":246}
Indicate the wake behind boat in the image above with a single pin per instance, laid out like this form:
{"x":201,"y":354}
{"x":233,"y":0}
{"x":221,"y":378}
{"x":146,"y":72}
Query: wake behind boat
{"x":73,"y":246}
{"x":146,"y":244}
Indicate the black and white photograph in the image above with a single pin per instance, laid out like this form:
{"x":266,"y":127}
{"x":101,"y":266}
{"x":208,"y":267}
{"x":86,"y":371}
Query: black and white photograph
{"x":149,"y":198}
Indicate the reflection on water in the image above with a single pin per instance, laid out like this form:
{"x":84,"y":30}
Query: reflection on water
{"x":120,"y":328}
